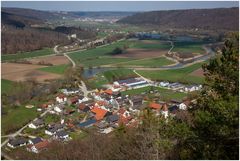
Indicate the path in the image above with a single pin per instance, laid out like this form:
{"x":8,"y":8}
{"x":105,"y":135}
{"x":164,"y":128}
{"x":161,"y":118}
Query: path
{"x":148,"y":80}
{"x":20,"y":130}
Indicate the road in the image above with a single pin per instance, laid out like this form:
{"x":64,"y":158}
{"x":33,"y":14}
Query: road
{"x":20,"y":130}
{"x":148,"y":80}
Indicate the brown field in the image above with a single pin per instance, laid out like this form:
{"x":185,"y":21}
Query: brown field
{"x":198,"y":72}
{"x":53,"y":59}
{"x":141,"y":53}
{"x":21,"y":72}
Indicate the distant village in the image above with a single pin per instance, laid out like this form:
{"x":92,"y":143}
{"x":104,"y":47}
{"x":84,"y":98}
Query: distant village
{"x":74,"y":110}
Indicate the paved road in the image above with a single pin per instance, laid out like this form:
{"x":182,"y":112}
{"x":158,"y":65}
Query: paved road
{"x":20,"y":130}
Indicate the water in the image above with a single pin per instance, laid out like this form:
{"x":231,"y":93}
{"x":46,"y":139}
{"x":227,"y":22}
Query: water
{"x":88,"y":73}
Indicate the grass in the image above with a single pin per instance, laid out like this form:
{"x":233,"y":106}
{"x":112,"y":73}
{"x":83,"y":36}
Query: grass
{"x":155,"y":44}
{"x":8,"y":57}
{"x":175,"y":75}
{"x":101,"y":56}
{"x":93,"y":54}
{"x":57,"y":69}
{"x":98,"y":61}
{"x":117,"y":74}
{"x":17,"y":118}
{"x":78,"y":135}
{"x":6,"y":85}
{"x":153,"y":62}
{"x":188,"y":47}
{"x":165,"y":94}
{"x":51,"y":118}
{"x":97,"y":82}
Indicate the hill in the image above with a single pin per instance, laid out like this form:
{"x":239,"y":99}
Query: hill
{"x":207,"y":19}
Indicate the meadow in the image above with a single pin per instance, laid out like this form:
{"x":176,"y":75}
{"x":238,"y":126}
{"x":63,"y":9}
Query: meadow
{"x":175,"y":75}
{"x":164,"y":93}
{"x":6,"y":85}
{"x":57,"y":69}
{"x":189,"y":47}
{"x":17,"y":56}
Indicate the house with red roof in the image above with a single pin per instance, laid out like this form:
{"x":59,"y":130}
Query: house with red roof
{"x":36,"y":148}
{"x":155,"y":106}
{"x":99,"y":113}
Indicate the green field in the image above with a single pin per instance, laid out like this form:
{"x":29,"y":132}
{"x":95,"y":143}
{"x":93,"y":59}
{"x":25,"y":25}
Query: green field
{"x":152,"y":44}
{"x":175,"y":75}
{"x":102,"y":55}
{"x":57,"y":69}
{"x":88,"y":57}
{"x":8,"y":57}
{"x":188,"y":47}
{"x":6,"y":85}
{"x":153,"y":62}
{"x":117,"y":74}
{"x":166,"y":94}
{"x":17,"y":118}
{"x":103,"y":60}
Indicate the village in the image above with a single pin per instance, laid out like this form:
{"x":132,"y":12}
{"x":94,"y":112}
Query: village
{"x":103,"y":110}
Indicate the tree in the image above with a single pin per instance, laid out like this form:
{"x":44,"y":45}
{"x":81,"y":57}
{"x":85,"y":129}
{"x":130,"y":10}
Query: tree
{"x":216,"y":119}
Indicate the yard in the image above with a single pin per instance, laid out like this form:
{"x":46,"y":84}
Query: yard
{"x":15,"y":118}
{"x":182,"y":75}
{"x":8,"y":57}
{"x":57,"y":69}
{"x":165,"y":94}
{"x":6,"y":85}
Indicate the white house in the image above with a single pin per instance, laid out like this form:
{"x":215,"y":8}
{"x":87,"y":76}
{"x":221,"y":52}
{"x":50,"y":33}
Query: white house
{"x":36,"y":124}
{"x":182,"y":106}
{"x":61,"y":98}
{"x":106,"y":131}
{"x":57,"y":109}
{"x":164,"y":84}
{"x":164,"y":111}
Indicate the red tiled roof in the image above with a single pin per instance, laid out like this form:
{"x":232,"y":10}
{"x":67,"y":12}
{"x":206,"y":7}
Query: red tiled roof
{"x":44,"y":106}
{"x":100,"y":113}
{"x":42,"y":144}
{"x":81,"y":106}
{"x":109,"y":91}
{"x":102,"y":103}
{"x":121,"y":111}
{"x":61,"y":95}
{"x":123,"y":120}
{"x":154,"y":105}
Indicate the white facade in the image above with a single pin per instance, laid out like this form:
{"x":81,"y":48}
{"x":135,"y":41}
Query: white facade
{"x":57,"y":109}
{"x":61,"y":100}
{"x":182,"y":106}
{"x":165,"y":113}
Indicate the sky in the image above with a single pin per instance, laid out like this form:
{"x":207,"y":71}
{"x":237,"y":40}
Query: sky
{"x":117,"y":5}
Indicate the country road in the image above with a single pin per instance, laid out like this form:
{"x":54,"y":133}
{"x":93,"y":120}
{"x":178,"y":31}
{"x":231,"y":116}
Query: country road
{"x":20,"y":130}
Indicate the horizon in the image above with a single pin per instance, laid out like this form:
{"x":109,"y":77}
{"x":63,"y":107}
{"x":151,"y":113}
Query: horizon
{"x":117,"y":6}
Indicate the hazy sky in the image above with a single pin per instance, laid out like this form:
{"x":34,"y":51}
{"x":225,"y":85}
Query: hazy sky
{"x":117,"y":5}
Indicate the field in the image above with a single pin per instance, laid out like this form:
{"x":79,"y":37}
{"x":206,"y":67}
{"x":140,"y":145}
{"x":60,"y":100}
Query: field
{"x":17,"y":118}
{"x":53,"y":59}
{"x":17,"y":56}
{"x":175,"y":75}
{"x":153,"y":62}
{"x":21,"y":72}
{"x":136,"y":50}
{"x":188,"y":47}
{"x":117,"y":74}
{"x":164,"y":93}
{"x":198,"y":72}
{"x":6,"y":85}
{"x":57,"y":69}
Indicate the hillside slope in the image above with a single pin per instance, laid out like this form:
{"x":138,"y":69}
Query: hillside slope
{"x":208,"y":19}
